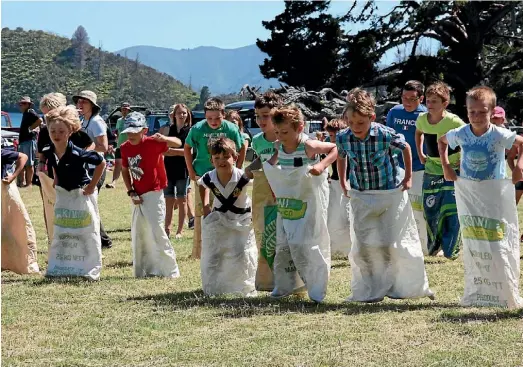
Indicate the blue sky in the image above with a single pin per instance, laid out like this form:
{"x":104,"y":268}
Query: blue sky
{"x":176,"y":24}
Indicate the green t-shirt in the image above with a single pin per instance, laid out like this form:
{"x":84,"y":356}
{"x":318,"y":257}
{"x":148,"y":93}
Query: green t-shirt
{"x":431,"y":134}
{"x":262,"y":147}
{"x":198,"y":139}
{"x":246,"y":136}
{"x":122,"y":138}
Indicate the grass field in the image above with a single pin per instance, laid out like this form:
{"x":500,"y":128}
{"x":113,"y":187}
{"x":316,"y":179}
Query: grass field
{"x":122,"y":321}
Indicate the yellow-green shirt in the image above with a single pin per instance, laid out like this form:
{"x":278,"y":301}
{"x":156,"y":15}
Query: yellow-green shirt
{"x":431,"y":133}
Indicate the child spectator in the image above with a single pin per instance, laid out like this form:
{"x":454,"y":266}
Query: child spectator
{"x":439,"y":202}
{"x":144,"y":175}
{"x":213,"y":127}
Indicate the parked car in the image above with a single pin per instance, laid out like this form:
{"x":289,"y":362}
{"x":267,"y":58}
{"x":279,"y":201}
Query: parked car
{"x":9,"y":133}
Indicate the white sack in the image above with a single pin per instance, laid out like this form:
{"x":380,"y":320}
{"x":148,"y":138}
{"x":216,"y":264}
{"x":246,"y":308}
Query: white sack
{"x":76,"y":249}
{"x":153,"y":254}
{"x":229,"y":255}
{"x":416,"y":200}
{"x":338,"y":222}
{"x":18,"y":235}
{"x":49,"y":199}
{"x":386,"y":257}
{"x":489,"y":228}
{"x":302,"y":239}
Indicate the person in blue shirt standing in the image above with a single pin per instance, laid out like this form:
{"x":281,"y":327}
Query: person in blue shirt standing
{"x":402,"y":118}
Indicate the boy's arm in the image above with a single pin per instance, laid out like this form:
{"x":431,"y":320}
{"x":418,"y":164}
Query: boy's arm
{"x":188,"y":161}
{"x":407,"y":160}
{"x":254,"y":166}
{"x":316,"y":147}
{"x":19,"y":166}
{"x":341,"y":164}
{"x":175,"y":152}
{"x":204,"y":195}
{"x":97,"y":175}
{"x":443,"y":149}
{"x":241,"y":156}
{"x":419,"y":146}
{"x":172,"y":142}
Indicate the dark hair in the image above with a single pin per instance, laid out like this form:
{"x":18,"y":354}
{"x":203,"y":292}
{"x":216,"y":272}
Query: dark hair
{"x":414,"y":85}
{"x":222,"y":145}
{"x":214,"y":104}
{"x":268,"y":99}
{"x":234,"y":117}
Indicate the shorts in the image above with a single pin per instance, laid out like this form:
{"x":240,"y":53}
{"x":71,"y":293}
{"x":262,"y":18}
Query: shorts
{"x":117,"y":153}
{"x":29,"y":149}
{"x":519,"y":186}
{"x":176,"y":188}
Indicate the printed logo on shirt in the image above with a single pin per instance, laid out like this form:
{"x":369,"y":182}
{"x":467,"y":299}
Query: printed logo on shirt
{"x":405,"y":122}
{"x":136,"y":171}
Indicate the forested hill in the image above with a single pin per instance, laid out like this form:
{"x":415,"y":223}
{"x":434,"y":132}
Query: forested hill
{"x":35,"y":63}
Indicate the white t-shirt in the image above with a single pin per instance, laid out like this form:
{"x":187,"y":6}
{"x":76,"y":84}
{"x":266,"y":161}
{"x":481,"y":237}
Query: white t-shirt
{"x":95,"y":127}
{"x":243,"y":201}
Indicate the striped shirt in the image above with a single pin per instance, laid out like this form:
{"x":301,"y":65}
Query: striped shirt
{"x":372,"y":163}
{"x":298,"y":158}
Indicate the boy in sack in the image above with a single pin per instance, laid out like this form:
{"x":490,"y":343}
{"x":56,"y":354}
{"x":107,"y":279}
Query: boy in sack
{"x":386,"y":257}
{"x":213,"y":127}
{"x":76,"y":246}
{"x":485,"y":200}
{"x":264,"y":209}
{"x":18,"y":235}
{"x":229,"y":253}
{"x":299,"y":181}
{"x":439,"y":202}
{"x":144,"y":175}
{"x":338,"y":223}
{"x":402,"y":118}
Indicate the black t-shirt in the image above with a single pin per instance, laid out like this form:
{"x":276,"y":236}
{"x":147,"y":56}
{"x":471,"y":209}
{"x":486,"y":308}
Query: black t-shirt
{"x":71,"y":169}
{"x":175,"y":166}
{"x":334,"y":175}
{"x":9,"y":157}
{"x":29,"y":117}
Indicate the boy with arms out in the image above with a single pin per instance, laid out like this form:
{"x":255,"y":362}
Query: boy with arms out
{"x":213,"y":127}
{"x":144,"y":175}
{"x":386,"y":258}
{"x":229,"y":253}
{"x":486,"y":209}
{"x":439,"y":202}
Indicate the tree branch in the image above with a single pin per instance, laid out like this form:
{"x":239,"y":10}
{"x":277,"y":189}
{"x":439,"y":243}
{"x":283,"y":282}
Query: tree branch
{"x":497,"y":16}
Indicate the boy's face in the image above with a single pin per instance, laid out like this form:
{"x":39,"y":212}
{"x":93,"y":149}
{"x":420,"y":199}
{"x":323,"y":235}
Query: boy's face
{"x":435,"y":104}
{"x":498,"y":121}
{"x":136,"y":138}
{"x":332,"y":135}
{"x":360,"y":124}
{"x":410,"y":100}
{"x":59,"y":133}
{"x":214,"y":119}
{"x":479,"y":112}
{"x":263,"y":118}
{"x":286,"y":132}
{"x":223,"y":161}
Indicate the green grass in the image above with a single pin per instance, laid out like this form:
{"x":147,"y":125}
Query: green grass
{"x":123,"y":321}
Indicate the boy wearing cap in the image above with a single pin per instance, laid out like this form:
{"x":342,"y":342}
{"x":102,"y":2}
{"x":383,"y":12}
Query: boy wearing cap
{"x":122,"y":138}
{"x":144,"y":176}
{"x":27,"y":138}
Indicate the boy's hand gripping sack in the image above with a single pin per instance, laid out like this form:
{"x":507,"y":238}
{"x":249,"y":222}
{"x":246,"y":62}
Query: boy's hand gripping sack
{"x":489,"y":227}
{"x":76,"y":248}
{"x":302,"y":240}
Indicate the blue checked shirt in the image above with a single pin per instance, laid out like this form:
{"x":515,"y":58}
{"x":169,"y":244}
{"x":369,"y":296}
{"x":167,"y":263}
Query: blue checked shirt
{"x":371,"y":162}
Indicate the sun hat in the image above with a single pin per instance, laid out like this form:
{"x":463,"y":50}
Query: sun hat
{"x":26,"y":99}
{"x":134,"y":123}
{"x":499,"y":112}
{"x":125,"y":105}
{"x":90,"y":96}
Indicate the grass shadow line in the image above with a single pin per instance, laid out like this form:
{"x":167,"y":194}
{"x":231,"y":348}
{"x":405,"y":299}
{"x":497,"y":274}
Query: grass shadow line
{"x":118,"y":230}
{"x":119,"y":264}
{"x":474,"y":316}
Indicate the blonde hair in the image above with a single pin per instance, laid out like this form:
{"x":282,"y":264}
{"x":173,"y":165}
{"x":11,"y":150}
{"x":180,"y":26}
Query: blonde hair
{"x":290,"y":114}
{"x":234,"y":116}
{"x":336,"y":125}
{"x":52,"y":101}
{"x":214,"y":104}
{"x":176,"y":107}
{"x":439,"y":89}
{"x":66,"y":114}
{"x":222,"y":145}
{"x":360,"y":101}
{"x":483,"y":93}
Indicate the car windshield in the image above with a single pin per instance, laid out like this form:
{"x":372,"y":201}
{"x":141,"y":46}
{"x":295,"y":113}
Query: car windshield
{"x":5,"y":123}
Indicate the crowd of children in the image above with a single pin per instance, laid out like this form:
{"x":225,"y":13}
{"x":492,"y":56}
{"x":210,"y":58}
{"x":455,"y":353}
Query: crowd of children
{"x":300,"y":214}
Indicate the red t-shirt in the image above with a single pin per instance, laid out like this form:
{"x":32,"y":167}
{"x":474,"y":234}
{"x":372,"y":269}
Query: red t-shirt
{"x":145,"y":164}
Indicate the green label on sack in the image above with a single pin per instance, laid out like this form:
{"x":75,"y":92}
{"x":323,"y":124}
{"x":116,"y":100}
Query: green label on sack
{"x":67,"y":218}
{"x":268,"y":246}
{"x":416,"y":201}
{"x":291,"y":209}
{"x":481,"y":228}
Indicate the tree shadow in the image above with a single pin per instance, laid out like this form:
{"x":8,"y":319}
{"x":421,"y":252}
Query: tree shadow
{"x":263,"y":305}
{"x":477,"y":317}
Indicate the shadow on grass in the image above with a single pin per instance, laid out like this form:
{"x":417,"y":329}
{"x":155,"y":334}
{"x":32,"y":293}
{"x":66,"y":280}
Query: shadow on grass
{"x":344,"y":264}
{"x":231,"y":307}
{"x":477,"y":317}
{"x":119,"y":264}
{"x":118,"y":230}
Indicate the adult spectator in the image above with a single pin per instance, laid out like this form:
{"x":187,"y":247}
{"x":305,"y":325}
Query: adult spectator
{"x":95,"y":127}
{"x":27,"y":139}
